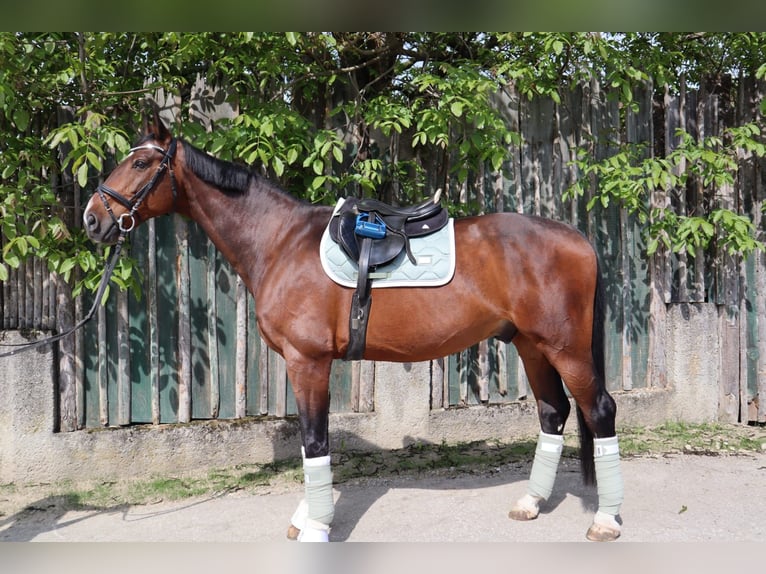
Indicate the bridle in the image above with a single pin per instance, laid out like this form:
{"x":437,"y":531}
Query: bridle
{"x":126,"y":222}
{"x":134,"y":202}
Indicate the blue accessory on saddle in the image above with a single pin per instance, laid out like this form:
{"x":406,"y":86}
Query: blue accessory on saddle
{"x":366,"y":226}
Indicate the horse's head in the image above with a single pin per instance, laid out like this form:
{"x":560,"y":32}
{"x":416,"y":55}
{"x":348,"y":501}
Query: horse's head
{"x":142,"y":186}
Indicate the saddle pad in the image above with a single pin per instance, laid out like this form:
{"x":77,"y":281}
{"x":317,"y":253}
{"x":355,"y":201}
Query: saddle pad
{"x":434,"y":253}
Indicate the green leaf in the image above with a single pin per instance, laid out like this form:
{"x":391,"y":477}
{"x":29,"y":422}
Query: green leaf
{"x":279,"y":166}
{"x":21,"y":119}
{"x":94,"y":160}
{"x":82,"y":174}
{"x":3,"y":272}
{"x":456,"y":108}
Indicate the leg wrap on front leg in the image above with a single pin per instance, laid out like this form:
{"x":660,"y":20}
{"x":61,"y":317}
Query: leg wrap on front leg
{"x":545,"y":465}
{"x":317,"y":510}
{"x":542,"y":477}
{"x":606,"y":456}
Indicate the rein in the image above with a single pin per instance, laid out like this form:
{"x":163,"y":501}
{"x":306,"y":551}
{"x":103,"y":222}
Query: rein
{"x":132,"y":204}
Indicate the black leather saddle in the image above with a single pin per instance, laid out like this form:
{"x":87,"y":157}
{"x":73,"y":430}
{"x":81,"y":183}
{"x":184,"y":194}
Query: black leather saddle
{"x":374,"y":233}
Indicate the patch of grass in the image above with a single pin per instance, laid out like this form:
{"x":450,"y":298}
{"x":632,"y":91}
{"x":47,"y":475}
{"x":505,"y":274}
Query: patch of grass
{"x":708,"y":438}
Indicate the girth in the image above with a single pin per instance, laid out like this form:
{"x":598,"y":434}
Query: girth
{"x":373,"y":233}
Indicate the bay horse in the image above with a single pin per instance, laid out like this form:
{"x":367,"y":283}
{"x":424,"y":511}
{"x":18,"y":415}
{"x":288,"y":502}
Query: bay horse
{"x":523,"y":279}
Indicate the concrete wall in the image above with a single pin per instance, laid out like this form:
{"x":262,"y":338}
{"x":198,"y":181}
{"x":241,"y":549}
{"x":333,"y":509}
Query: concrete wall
{"x":30,"y":452}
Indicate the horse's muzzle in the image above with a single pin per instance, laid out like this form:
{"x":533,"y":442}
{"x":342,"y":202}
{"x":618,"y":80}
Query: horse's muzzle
{"x":97,"y":231}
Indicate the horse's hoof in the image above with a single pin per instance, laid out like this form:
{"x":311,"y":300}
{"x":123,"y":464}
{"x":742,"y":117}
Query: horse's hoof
{"x":522,"y":514}
{"x":293,"y":532}
{"x":605,"y":528}
{"x":526,"y":508}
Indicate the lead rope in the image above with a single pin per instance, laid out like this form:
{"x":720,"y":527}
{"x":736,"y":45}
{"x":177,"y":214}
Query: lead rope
{"x":99,"y":294}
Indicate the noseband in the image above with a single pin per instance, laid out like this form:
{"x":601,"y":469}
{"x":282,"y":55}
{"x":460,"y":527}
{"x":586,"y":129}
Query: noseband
{"x":126,"y":221}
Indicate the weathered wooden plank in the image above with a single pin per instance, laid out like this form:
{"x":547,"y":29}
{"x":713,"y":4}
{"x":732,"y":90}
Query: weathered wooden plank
{"x":483,"y":368}
{"x":67,"y":388}
{"x":103,"y":366}
{"x":627,"y":302}
{"x":729,"y":330}
{"x":123,"y":360}
{"x":759,"y":205}
{"x":263,"y":374}
{"x":21,"y":279}
{"x":759,"y":397}
{"x":154,"y":341}
{"x":240,"y":389}
{"x":367,"y":387}
{"x":280,"y":384}
{"x":184,"y":324}
{"x":79,"y":358}
{"x":5,"y":295}
{"x":253,"y":354}
{"x":340,"y":387}
{"x":437,"y":384}
{"x":356,"y":372}
{"x":212,"y":332}
{"x":37,"y":293}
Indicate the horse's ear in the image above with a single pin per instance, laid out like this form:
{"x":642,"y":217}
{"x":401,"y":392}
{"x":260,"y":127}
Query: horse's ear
{"x":154,"y":126}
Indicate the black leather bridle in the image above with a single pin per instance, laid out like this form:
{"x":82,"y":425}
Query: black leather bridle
{"x":127,"y":221}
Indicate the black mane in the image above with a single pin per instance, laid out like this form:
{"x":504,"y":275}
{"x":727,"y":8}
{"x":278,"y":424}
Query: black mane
{"x":227,"y":176}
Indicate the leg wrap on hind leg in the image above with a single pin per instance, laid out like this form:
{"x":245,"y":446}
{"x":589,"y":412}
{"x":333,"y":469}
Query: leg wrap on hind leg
{"x":606,"y":456}
{"x":545,"y":465}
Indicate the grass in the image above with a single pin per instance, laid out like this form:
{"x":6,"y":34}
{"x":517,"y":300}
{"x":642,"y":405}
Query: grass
{"x":413,"y":460}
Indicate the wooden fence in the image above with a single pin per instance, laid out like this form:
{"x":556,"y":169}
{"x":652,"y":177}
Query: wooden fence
{"x":189,"y":349}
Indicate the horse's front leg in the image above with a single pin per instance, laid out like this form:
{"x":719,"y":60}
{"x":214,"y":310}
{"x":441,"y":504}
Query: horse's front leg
{"x":310,"y":381}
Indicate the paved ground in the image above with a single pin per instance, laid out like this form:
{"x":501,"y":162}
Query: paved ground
{"x":669,"y":498}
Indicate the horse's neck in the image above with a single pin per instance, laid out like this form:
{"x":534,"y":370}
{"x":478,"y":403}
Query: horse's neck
{"x":246,"y":228}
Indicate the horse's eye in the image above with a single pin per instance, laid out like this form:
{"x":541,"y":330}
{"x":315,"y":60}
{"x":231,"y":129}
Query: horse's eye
{"x":139,"y":164}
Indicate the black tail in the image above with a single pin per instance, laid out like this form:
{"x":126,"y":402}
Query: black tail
{"x":597,"y":351}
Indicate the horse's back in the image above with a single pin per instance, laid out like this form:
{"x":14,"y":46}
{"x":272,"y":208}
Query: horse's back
{"x":523,"y":240}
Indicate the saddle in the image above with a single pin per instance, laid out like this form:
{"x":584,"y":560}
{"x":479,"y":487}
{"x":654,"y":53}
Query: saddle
{"x":373,"y":233}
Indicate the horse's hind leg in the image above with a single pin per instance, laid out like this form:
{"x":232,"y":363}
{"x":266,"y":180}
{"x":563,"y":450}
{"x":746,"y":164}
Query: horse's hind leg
{"x":599,"y":449}
{"x":596,"y":414}
{"x":553,"y":409}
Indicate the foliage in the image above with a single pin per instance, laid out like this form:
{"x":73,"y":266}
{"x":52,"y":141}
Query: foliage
{"x":328,"y":112}
{"x":631,"y":178}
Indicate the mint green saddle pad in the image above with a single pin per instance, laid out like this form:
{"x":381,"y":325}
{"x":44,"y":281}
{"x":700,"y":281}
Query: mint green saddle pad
{"x":435,"y":256}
